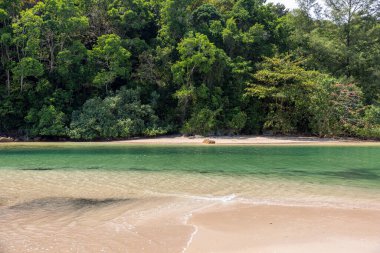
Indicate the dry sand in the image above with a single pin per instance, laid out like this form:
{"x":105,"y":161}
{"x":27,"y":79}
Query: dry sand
{"x":269,"y":229}
{"x":248,"y":140}
{"x":219,"y":140}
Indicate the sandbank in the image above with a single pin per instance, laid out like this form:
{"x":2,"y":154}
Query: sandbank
{"x":248,"y":140}
{"x":175,"y":225}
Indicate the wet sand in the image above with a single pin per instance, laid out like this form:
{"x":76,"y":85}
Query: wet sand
{"x":56,"y":225}
{"x":95,"y":211}
{"x":174,"y":225}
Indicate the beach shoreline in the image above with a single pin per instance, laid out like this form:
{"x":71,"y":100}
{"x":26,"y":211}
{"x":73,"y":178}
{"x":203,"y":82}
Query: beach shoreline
{"x":183,"y":226}
{"x":248,"y":140}
{"x":60,"y":211}
{"x":56,"y":197}
{"x":243,"y":140}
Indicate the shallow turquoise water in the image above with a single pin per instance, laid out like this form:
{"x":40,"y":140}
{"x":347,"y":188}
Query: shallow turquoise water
{"x":350,"y":165}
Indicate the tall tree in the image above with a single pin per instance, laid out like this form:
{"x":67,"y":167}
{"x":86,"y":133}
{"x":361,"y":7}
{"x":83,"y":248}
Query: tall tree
{"x":9,"y":9}
{"x":110,"y":59}
{"x":27,"y":39}
{"x":310,"y":7}
{"x":62,"y":22}
{"x":345,"y":13}
{"x":174,"y":20}
{"x":201,"y":62}
{"x":285,"y":86}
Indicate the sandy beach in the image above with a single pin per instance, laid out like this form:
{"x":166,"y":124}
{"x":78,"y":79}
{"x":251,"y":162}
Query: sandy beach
{"x":248,"y":140}
{"x":119,"y":201}
{"x":174,"y":225}
{"x":284,"y":229}
{"x":56,"y":211}
{"x":219,"y":140}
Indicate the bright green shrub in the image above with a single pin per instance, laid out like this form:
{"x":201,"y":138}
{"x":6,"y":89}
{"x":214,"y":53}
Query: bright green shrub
{"x":118,"y":116}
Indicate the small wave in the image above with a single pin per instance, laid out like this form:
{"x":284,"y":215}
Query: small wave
{"x":224,"y":199}
{"x":338,"y":204}
{"x":287,"y":202}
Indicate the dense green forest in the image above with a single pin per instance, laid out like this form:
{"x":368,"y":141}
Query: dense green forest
{"x":109,"y":69}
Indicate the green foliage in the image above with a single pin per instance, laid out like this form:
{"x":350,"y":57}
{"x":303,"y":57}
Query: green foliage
{"x":335,"y":108}
{"x":203,"y":19}
{"x":48,"y":122}
{"x":174,"y":20}
{"x":202,"y":122}
{"x":238,"y":121}
{"x":111,"y":60}
{"x":285,"y":87}
{"x":371,"y":123}
{"x":27,"y":67}
{"x":71,"y":67}
{"x":130,"y":16}
{"x":200,"y":67}
{"x":369,"y":133}
{"x":345,"y":45}
{"x":201,"y":64}
{"x":372,"y":115}
{"x":47,"y":27}
{"x":118,"y":116}
{"x":197,"y":54}
{"x":27,"y":33}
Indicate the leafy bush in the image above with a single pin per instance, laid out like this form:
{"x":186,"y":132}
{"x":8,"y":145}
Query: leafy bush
{"x":202,"y":122}
{"x":47,"y":122}
{"x":372,"y":115}
{"x":371,"y":123}
{"x":285,"y":86}
{"x":369,"y":132}
{"x":118,"y":116}
{"x":335,"y":108}
{"x":238,"y":121}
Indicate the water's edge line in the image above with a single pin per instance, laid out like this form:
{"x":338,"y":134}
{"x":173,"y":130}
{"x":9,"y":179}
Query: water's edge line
{"x":234,"y":198}
{"x":196,"y":229}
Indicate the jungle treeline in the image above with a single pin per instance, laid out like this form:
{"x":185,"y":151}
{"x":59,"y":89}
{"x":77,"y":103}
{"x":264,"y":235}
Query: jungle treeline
{"x":113,"y":69}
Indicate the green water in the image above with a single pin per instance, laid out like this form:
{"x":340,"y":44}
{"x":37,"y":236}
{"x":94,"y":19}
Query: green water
{"x":351,"y":165}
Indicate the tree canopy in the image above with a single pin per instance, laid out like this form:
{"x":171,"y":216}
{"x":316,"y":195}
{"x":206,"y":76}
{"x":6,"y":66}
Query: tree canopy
{"x":106,"y":69}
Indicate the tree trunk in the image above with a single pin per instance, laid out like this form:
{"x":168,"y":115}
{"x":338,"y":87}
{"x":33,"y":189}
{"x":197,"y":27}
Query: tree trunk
{"x":51,"y":59}
{"x":184,"y":112}
{"x":348,"y":40}
{"x":8,"y":81}
{"x":21,"y":82}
